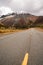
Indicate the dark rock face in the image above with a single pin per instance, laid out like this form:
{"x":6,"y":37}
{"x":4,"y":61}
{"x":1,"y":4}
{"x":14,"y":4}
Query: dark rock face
{"x":39,"y":20}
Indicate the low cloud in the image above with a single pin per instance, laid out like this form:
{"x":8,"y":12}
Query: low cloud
{"x":31,"y":6}
{"x":5,"y":10}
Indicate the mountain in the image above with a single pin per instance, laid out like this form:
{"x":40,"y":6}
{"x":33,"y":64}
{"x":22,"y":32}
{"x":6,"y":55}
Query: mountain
{"x":39,"y":21}
{"x":22,"y":20}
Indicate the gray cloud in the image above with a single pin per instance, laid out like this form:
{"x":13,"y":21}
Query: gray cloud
{"x":31,"y":6}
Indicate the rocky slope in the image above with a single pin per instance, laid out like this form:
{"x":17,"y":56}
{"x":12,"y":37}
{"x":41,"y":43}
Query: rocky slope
{"x":20,"y":20}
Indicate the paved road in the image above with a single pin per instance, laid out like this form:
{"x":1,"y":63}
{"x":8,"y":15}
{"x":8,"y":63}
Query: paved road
{"x":13,"y":48}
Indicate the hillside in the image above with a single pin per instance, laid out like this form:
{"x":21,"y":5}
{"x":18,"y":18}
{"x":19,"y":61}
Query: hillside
{"x":20,"y":20}
{"x":39,"y":21}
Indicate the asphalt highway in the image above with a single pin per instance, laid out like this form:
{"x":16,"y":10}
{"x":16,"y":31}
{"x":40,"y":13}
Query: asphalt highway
{"x":13,"y":48}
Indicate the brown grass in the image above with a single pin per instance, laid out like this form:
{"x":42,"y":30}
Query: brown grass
{"x":9,"y":30}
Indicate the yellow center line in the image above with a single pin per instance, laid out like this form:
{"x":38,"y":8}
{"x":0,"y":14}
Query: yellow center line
{"x":25,"y":60}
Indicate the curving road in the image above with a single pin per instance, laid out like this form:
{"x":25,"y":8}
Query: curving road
{"x":13,"y":48}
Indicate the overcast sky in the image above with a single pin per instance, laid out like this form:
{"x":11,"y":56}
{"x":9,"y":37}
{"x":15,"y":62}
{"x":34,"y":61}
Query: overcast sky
{"x":31,"y":6}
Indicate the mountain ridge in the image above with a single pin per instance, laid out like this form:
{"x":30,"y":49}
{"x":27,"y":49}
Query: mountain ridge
{"x":20,"y":20}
